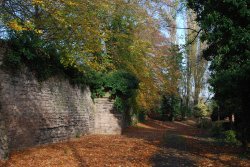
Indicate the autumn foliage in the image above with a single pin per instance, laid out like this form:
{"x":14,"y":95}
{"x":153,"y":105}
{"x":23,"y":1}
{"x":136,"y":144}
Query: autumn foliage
{"x":82,"y":38}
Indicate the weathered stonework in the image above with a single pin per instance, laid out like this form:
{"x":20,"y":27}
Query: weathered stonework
{"x":38,"y":113}
{"x":107,"y":120}
{"x":34,"y":113}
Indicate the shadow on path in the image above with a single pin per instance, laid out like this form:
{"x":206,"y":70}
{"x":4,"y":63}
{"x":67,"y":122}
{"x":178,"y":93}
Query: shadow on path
{"x":182,"y":144}
{"x":167,"y":160}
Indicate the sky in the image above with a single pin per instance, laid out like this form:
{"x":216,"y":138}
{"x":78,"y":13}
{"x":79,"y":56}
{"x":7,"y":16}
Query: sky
{"x":180,"y":32}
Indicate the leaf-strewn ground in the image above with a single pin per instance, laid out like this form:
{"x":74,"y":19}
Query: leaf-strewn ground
{"x":150,"y":144}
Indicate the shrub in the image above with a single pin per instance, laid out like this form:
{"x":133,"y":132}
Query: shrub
{"x":201,"y":110}
{"x":96,"y":82}
{"x":229,"y":137}
{"x":121,"y":83}
{"x":224,"y":136}
{"x":122,"y":86}
{"x":119,"y":104}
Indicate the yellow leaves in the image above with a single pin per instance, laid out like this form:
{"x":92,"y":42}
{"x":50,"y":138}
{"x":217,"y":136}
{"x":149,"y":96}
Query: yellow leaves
{"x":71,"y":3}
{"x":26,"y":26}
{"x":148,"y":96}
{"x":14,"y":25}
{"x":37,"y":2}
{"x":105,"y":5}
{"x":68,"y":60}
{"x":39,"y":31}
{"x":99,"y":63}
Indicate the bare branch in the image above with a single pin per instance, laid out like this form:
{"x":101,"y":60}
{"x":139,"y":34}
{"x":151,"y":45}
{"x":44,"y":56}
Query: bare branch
{"x":184,"y":28}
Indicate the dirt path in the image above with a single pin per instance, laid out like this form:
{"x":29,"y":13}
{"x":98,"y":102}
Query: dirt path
{"x":150,"y":144}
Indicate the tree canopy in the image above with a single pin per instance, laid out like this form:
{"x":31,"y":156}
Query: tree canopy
{"x":90,"y":39}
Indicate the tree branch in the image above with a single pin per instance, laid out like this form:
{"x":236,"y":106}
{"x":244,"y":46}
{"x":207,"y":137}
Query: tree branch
{"x":184,"y":28}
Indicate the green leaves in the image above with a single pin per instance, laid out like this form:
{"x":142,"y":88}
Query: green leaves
{"x":121,"y":84}
{"x":226,"y":27}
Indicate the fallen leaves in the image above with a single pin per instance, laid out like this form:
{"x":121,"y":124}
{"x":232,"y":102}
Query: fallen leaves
{"x":137,"y":147}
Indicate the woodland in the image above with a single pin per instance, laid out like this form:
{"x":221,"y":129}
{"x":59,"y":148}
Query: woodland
{"x":169,"y":60}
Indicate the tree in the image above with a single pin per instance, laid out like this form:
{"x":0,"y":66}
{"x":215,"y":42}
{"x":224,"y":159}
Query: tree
{"x":201,"y":110}
{"x":225,"y":28}
{"x":95,"y":38}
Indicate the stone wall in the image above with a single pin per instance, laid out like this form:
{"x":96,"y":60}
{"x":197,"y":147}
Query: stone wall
{"x":107,"y":120}
{"x":38,"y":113}
{"x":34,"y":113}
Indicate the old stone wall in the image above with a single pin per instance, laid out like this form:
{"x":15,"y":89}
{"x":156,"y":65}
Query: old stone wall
{"x":38,"y":113}
{"x":34,"y":113}
{"x":107,"y":120}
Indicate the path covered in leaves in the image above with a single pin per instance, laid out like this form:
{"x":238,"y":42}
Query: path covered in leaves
{"x":150,"y":144}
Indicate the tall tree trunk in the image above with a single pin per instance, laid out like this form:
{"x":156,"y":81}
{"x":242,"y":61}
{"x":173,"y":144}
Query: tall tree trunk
{"x":195,"y":62}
